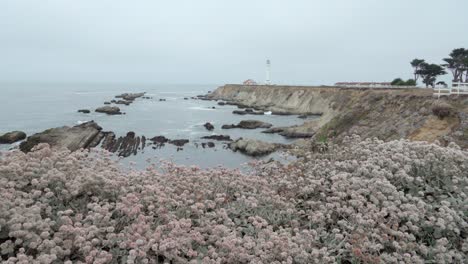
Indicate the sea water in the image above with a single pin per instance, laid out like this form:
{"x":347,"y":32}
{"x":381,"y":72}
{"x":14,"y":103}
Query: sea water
{"x":35,"y":107}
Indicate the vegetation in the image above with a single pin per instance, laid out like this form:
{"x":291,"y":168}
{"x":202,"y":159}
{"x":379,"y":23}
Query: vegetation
{"x":401,"y":82}
{"x":457,"y":63}
{"x":364,"y":202}
{"x":429,"y":73}
{"x":442,"y":110}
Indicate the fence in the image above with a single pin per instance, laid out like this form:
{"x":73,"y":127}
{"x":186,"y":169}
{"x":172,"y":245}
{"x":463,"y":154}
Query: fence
{"x":457,"y":88}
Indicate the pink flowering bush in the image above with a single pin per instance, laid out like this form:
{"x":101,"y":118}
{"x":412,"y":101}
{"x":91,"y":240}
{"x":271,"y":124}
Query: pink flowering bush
{"x":364,"y":202}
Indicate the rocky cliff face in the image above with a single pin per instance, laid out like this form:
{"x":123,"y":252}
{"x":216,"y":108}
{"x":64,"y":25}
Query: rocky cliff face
{"x":384,"y":113}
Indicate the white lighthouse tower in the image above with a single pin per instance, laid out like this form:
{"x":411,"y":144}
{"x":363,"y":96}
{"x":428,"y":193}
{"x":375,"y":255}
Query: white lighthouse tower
{"x":268,"y":73}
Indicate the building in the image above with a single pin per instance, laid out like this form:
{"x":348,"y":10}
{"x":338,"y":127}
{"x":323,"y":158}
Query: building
{"x":268,"y":73}
{"x":364,"y":84}
{"x":249,"y":82}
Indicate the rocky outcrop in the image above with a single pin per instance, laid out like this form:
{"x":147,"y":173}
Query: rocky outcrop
{"x":247,"y":111}
{"x":12,"y":137}
{"x":124,"y":146}
{"x":110,"y":110}
{"x":248,"y":124}
{"x":208,"y":144}
{"x":85,"y":135}
{"x":130,"y":96}
{"x":218,"y":137}
{"x":253,"y":147}
{"x":208,"y":126}
{"x":384,"y":113}
{"x":84,"y":111}
{"x":179,"y":142}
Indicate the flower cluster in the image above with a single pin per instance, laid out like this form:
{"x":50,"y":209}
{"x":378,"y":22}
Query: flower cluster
{"x":360,"y":202}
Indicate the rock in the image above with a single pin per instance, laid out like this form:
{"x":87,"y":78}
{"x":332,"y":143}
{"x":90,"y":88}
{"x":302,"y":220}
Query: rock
{"x":185,"y":98}
{"x":179,"y":142}
{"x":162,"y":100}
{"x":239,"y":112}
{"x":73,"y":138}
{"x":130,"y":96}
{"x":107,"y":103}
{"x":253,"y":147}
{"x":221,"y":103}
{"x":110,"y":110}
{"x":12,"y":137}
{"x":208,"y":144}
{"x":125,"y":146}
{"x":228,"y":126}
{"x":249,"y":112}
{"x":248,"y":124}
{"x":84,"y":111}
{"x":294,"y":134}
{"x":208,"y":126}
{"x":218,"y":137}
{"x":159,"y":139}
{"x":124,"y":102}
{"x":282,"y":113}
{"x":274,"y":130}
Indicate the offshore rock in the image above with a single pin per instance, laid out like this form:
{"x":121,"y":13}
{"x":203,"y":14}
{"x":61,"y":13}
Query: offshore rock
{"x":248,"y":124}
{"x":72,"y":138}
{"x":110,"y":110}
{"x":12,"y":137}
{"x":253,"y":147}
{"x":218,"y":137}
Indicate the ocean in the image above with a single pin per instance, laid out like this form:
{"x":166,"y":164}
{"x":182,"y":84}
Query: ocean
{"x":36,"y":107}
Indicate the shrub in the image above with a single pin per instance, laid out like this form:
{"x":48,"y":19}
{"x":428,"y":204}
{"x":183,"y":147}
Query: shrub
{"x":442,"y":110}
{"x":368,"y":201}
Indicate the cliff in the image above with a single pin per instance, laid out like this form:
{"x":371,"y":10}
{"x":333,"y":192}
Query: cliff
{"x":384,"y":113}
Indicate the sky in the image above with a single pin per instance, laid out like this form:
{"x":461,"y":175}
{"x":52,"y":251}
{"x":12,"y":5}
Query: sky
{"x":309,"y":42}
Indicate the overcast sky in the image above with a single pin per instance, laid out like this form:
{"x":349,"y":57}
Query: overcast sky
{"x":215,"y":42}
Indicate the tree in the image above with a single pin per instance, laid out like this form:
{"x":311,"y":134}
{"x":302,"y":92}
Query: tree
{"x":442,"y":83}
{"x":457,"y":63}
{"x":416,"y":64}
{"x":411,"y":82}
{"x":429,"y":73}
{"x":397,"y":82}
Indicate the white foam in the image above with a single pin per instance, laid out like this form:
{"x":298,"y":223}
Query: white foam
{"x":268,"y":113}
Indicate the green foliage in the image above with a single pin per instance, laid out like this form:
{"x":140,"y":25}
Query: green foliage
{"x":457,"y":63}
{"x":401,"y":82}
{"x":429,"y":73}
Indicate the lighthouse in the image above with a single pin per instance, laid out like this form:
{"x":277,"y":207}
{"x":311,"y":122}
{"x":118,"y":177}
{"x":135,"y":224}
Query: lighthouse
{"x":268,"y":76}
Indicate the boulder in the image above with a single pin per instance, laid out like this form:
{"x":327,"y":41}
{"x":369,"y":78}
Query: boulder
{"x":125,"y":146}
{"x":12,"y":137}
{"x":185,"y":98}
{"x":130,"y":96}
{"x":162,"y":100}
{"x":274,"y":130}
{"x":84,"y":111}
{"x":86,"y":135}
{"x":124,"y":102}
{"x":247,"y":112}
{"x":218,"y":137}
{"x":179,"y":142}
{"x":221,"y":103}
{"x":248,"y":124}
{"x":159,"y":140}
{"x":208,"y":144}
{"x":208,"y":126}
{"x":107,"y":103}
{"x":110,"y":110}
{"x":253,"y":147}
{"x":296,"y":134}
